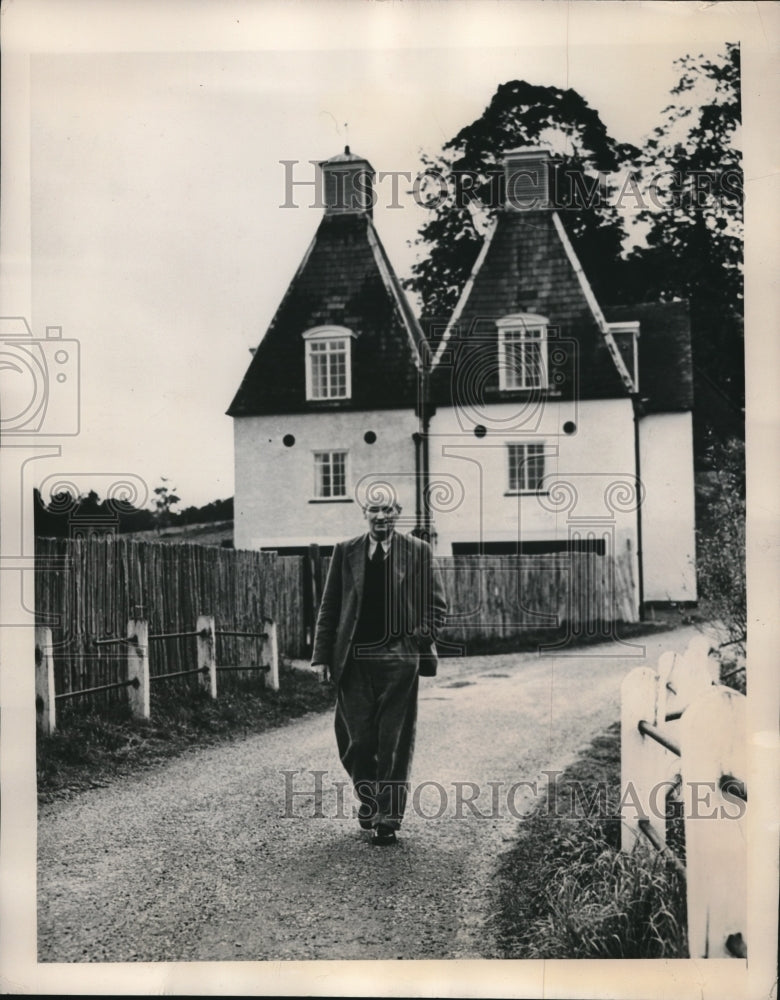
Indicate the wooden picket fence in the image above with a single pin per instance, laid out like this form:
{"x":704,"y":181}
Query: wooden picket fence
{"x":684,"y":733}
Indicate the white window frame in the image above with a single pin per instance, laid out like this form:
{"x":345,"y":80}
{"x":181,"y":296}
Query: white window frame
{"x":632,"y":327}
{"x":521,"y":468}
{"x":336,"y":338}
{"x":522,"y":328}
{"x":330,"y":452}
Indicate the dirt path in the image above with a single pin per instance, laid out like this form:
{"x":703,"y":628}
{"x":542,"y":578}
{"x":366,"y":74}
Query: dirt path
{"x":204,"y":859}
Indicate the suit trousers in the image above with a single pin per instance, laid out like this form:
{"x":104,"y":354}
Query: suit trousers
{"x":376,"y":716}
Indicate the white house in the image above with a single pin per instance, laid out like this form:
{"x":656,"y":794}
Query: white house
{"x":549,"y":422}
{"x":327,"y":405}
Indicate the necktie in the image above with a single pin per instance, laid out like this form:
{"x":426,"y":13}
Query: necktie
{"x":378,"y":557}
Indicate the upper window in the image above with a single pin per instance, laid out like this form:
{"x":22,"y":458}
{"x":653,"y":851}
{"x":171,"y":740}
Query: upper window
{"x":526,"y":467}
{"x":522,"y":352}
{"x":328,"y":362}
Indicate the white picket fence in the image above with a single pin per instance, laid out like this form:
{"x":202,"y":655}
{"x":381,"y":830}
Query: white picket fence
{"x":681,"y":729}
{"x":137,"y":680}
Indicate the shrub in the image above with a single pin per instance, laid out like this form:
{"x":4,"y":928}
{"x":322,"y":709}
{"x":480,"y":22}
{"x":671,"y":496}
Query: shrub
{"x":720,"y":555}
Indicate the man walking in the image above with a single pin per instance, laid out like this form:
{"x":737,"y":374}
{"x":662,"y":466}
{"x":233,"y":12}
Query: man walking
{"x":381,"y":607}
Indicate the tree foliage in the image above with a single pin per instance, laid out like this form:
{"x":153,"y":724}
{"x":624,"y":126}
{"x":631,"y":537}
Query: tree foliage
{"x":164,"y":500}
{"x":65,"y":513}
{"x":519,"y":114}
{"x":694,"y":240}
{"x":689,"y":234}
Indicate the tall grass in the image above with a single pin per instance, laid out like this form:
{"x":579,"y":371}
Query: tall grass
{"x":566,"y":891}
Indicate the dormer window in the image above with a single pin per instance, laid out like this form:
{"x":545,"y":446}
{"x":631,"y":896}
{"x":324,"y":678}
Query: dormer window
{"x":328,"y":363}
{"x":522,"y":352}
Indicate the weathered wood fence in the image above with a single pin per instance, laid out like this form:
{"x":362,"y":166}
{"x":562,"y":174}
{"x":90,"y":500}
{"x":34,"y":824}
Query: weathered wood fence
{"x":86,"y":589}
{"x":683,"y":733}
{"x":507,"y":597}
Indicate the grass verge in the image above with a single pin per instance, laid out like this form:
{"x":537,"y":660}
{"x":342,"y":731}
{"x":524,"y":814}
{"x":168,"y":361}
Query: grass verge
{"x":91,"y":750}
{"x":566,"y":891}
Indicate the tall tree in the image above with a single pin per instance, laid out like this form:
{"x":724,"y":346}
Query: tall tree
{"x":691,"y":171}
{"x":164,"y":500}
{"x":519,"y":114}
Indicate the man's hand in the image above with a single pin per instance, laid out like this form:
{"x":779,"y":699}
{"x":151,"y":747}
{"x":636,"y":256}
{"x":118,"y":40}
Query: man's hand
{"x":324,"y":671}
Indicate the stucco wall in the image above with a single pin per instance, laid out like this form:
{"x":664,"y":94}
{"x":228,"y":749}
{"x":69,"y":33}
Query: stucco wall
{"x":589,"y":474}
{"x":669,"y":545}
{"x":275,"y":484}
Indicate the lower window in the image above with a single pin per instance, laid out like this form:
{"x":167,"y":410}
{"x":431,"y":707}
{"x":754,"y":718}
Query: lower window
{"x":330,"y":475}
{"x":526,"y":467}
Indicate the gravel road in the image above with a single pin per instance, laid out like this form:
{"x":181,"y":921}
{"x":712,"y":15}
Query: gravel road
{"x":206,"y":858}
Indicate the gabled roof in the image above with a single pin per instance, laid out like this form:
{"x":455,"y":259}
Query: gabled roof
{"x":527,"y":265}
{"x":665,"y":359}
{"x":346,"y":280}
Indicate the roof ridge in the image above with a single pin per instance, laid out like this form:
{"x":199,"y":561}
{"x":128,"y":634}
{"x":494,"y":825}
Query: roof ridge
{"x":390,"y":278}
{"x":595,"y":308}
{"x":464,"y":295}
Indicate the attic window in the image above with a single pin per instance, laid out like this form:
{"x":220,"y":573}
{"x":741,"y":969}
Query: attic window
{"x":522,"y":352}
{"x":328,"y":362}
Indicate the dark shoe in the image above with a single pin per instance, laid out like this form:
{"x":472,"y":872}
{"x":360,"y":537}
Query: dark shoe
{"x":384,"y":836}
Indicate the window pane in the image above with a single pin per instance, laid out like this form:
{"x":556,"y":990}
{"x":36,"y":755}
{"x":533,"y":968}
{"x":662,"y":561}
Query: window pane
{"x":339,"y":474}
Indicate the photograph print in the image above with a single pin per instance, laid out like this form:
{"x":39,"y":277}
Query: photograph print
{"x":374,"y":474}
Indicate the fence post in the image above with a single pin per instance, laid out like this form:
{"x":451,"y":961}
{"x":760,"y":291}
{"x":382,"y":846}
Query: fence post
{"x":44,"y":681}
{"x":272,"y":646}
{"x":138,"y":667}
{"x":689,"y":676}
{"x":712,"y":740}
{"x":207,"y":659}
{"x":644,"y":764}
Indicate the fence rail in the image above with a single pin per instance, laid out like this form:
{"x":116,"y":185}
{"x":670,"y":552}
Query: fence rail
{"x":85,"y":591}
{"x":135,"y":664}
{"x":680,"y":729}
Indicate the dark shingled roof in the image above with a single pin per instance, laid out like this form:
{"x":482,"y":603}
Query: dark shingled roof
{"x":345,"y":280}
{"x":526,"y":269}
{"x":665,"y":362}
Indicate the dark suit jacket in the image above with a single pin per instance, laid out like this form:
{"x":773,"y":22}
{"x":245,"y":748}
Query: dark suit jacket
{"x":419,"y":595}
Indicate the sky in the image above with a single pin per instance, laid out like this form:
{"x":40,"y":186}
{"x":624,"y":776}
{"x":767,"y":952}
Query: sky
{"x":157,"y":237}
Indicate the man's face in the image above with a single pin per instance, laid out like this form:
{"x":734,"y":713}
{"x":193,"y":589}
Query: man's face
{"x":381,"y":520}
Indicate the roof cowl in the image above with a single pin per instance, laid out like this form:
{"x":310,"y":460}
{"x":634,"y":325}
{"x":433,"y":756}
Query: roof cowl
{"x":349,"y":184}
{"x":527,"y":179}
